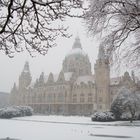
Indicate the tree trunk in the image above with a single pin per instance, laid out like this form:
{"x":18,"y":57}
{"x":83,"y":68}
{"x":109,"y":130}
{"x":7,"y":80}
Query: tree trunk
{"x":132,"y":117}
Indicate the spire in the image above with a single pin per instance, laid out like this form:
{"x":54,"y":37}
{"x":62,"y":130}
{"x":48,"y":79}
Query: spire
{"x":77,"y":43}
{"x":61,"y":77}
{"x":36,"y":83}
{"x":41,"y":78}
{"x":26,"y":67}
{"x":50,"y":78}
{"x":14,"y":88}
{"x":101,"y":54}
{"x":25,"y":77}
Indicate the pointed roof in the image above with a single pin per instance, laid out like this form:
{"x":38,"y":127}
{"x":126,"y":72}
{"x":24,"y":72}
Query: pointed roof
{"x":101,"y":54}
{"x":127,"y":76}
{"x":50,"y":78}
{"x":14,"y":87}
{"x":77,"y":43}
{"x":26,"y":67}
{"x":61,"y":77}
{"x":41,"y":78}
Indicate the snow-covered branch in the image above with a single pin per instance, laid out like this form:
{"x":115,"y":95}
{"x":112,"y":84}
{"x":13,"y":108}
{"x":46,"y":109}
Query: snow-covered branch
{"x":33,"y":25}
{"x":118,"y":21}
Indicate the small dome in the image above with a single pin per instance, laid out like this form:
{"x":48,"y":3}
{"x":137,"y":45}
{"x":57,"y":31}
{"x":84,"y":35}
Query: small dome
{"x":126,"y":75}
{"x":76,"y":49}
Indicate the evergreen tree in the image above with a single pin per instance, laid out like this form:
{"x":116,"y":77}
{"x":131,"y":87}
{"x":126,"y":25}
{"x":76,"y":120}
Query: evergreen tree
{"x":125,"y":101}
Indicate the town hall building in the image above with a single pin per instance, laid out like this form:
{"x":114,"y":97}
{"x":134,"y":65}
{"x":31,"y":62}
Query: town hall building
{"x":75,"y":90}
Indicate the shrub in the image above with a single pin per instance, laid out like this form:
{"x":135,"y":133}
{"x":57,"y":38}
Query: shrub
{"x":103,"y":116}
{"x":9,"y":113}
{"x":125,"y":117}
{"x":16,"y":111}
{"x":24,"y":110}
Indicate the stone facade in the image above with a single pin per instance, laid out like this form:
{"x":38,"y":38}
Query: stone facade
{"x":75,"y":90}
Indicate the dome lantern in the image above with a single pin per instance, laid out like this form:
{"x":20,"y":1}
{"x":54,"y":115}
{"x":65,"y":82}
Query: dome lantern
{"x":77,"y":43}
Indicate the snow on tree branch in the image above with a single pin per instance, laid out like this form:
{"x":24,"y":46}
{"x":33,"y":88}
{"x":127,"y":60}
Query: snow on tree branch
{"x":126,"y":101}
{"x":118,"y":21}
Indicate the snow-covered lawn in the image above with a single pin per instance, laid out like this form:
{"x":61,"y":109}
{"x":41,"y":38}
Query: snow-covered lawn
{"x":66,"y":128}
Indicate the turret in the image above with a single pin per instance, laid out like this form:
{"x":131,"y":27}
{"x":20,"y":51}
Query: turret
{"x":41,"y":79}
{"x":50,"y":79}
{"x":14,"y":89}
{"x":77,"y":43}
{"x":13,"y":95}
{"x":61,"y":78}
{"x":25,"y":77}
{"x":102,"y":80}
{"x":128,"y":81}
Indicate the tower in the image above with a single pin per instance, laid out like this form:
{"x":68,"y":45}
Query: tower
{"x":13,"y":95}
{"x":25,"y":77}
{"x":102,"y":80}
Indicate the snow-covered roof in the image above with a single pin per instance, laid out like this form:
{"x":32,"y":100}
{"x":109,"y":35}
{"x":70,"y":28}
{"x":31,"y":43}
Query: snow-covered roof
{"x":31,"y":85}
{"x":115,"y":80}
{"x":67,"y":76}
{"x":55,"y":76}
{"x":25,"y":71}
{"x":76,"y":51}
{"x":46,"y":78}
{"x":85,"y":79}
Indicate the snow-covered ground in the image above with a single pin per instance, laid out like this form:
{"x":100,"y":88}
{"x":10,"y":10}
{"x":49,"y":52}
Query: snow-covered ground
{"x":67,"y":128}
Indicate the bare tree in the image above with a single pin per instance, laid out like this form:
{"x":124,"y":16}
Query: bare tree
{"x":118,"y":23}
{"x":33,"y":24}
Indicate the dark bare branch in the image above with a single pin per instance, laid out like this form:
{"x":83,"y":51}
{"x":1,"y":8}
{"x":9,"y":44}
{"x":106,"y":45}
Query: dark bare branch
{"x":34,"y":25}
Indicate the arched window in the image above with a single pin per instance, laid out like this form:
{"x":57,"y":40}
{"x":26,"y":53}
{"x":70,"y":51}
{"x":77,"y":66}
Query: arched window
{"x":60,"y":97}
{"x":74,"y":98}
{"x":100,"y":107}
{"x":100,"y":99}
{"x":49,"y":98}
{"x":90,"y":98}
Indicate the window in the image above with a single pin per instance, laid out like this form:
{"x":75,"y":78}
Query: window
{"x":74,"y":98}
{"x":90,"y":97}
{"x":100,"y":106}
{"x":100,"y":99}
{"x":82,"y":98}
{"x":60,"y":97}
{"x":49,"y":97}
